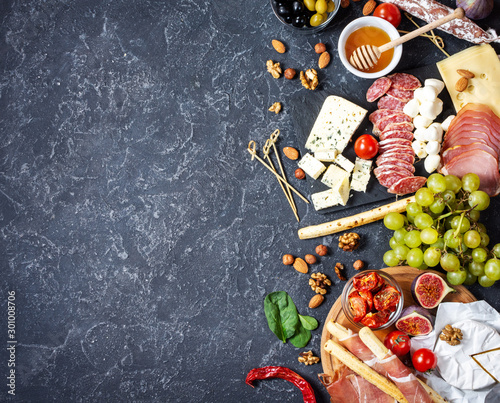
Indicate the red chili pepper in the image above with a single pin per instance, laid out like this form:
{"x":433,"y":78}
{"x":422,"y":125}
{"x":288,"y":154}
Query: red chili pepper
{"x":286,"y":374}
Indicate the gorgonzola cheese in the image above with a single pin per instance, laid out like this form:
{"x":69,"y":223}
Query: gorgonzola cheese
{"x":361,"y":175}
{"x":311,"y":166}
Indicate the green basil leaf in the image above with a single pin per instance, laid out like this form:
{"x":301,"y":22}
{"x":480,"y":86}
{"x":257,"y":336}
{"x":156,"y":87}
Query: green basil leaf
{"x":301,"y":337}
{"x":308,"y":322}
{"x":281,"y":313}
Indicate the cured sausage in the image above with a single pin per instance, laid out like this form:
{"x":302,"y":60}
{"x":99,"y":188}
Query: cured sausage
{"x":374,"y":117}
{"x":391,"y":134}
{"x":407,"y":185}
{"x":378,"y":88}
{"x":388,"y":102}
{"x":402,"y":95}
{"x":404,"y":81}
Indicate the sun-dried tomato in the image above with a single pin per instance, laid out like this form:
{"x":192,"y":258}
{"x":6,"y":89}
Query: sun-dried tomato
{"x":387,"y":298}
{"x":368,"y":297}
{"x":368,"y":282}
{"x":358,"y":306}
{"x":374,"y":320}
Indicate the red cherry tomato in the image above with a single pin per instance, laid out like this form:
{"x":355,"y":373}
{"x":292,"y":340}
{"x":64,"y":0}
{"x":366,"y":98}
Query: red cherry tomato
{"x":424,"y":360}
{"x":366,"y":147}
{"x":398,"y":342}
{"x":388,"y":12}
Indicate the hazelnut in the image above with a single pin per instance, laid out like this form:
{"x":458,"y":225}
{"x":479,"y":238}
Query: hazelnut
{"x":288,"y":259}
{"x":358,"y":264}
{"x":300,"y":174}
{"x":290,"y":73}
{"x":311,"y":259}
{"x":320,"y":48}
{"x":321,"y":250}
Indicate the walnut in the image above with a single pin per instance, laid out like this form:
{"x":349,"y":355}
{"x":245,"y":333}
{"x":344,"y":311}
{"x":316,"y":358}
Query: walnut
{"x":273,"y":68}
{"x":309,"y":79}
{"x":288,"y":259}
{"x":308,"y":358}
{"x":321,"y":250}
{"x":451,"y":335}
{"x":349,"y":242}
{"x":358,"y":264}
{"x":276,"y":108}
{"x":319,"y":282}
{"x":311,"y":259}
{"x":339,"y":271}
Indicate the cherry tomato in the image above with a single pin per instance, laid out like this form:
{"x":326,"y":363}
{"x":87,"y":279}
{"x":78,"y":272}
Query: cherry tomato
{"x":424,"y":360}
{"x":388,"y":12}
{"x":398,"y":342}
{"x":366,"y":147}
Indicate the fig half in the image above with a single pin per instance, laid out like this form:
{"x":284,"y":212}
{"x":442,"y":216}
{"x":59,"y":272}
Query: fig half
{"x":415,"y":321}
{"x":429,"y":289}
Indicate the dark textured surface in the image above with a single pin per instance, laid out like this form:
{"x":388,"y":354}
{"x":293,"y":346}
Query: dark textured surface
{"x":137,"y":234}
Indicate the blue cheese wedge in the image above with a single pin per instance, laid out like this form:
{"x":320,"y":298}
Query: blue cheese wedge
{"x":326,"y":155}
{"x":334,"y":176}
{"x":342,"y":161}
{"x":337,"y":121}
{"x":361,"y":175}
{"x":311,"y":166}
{"x":332,"y":197}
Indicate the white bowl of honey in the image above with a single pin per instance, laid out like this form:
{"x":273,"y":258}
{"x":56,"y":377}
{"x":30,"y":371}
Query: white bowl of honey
{"x":370,"y":31}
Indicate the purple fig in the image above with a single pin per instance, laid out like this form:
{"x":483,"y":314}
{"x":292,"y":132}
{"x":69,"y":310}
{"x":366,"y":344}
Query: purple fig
{"x":415,"y":321}
{"x":429,"y":289}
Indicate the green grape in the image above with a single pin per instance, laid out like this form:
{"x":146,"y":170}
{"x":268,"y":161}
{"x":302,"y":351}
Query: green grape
{"x":423,"y":266}
{"x":437,"y":206}
{"x":401,"y":251}
{"x":453,"y":183}
{"x":439,"y":243}
{"x":393,"y":243}
{"x":476,"y":268}
{"x":474,"y":215}
{"x":390,"y":258}
{"x":411,"y":218}
{"x":399,"y":235}
{"x":485,"y":239}
{"x":412,"y":239}
{"x":451,"y":240}
{"x":450,"y":262}
{"x":456,"y":277}
{"x":394,"y":221}
{"x":415,"y":257}
{"x":424,"y":197}
{"x":461,"y":248}
{"x":447,"y":222}
{"x":413,"y":208}
{"x":449,"y":197}
{"x":470,"y":182}
{"x":462,"y":221}
{"x":436,"y":183}
{"x":423,"y":220}
{"x":485,"y":281}
{"x":492,"y":269}
{"x":496,"y":250}
{"x":470,"y":279}
{"x":432,"y":256}
{"x":479,"y":200}
{"x":429,"y":236}
{"x":479,"y":255}
{"x":481,"y":228}
{"x":472,"y":239}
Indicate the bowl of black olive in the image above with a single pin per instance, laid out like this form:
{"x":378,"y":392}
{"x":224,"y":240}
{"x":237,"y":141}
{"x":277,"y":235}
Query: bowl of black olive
{"x":307,"y":16}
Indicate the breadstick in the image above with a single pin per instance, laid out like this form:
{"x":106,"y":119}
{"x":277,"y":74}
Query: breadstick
{"x":337,"y":330}
{"x":364,"y":370}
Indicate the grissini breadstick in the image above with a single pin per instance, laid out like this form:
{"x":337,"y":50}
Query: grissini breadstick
{"x":337,"y":330}
{"x":357,"y":220}
{"x":364,"y":370}
{"x":377,"y":347}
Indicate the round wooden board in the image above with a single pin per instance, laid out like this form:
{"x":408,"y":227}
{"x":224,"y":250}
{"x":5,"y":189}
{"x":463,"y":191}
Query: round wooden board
{"x":404,"y":276}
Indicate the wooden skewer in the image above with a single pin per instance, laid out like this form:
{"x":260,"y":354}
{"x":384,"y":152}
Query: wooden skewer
{"x":253,"y":152}
{"x":367,"y":56}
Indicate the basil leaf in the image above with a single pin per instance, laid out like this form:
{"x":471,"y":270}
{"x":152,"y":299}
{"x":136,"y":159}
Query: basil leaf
{"x":308,"y":322}
{"x":301,"y":337}
{"x":281,"y":313}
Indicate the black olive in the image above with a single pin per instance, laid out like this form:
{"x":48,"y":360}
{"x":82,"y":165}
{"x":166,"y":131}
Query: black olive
{"x":284,"y":11}
{"x":288,"y":19}
{"x":298,"y":21}
{"x":297,"y":7}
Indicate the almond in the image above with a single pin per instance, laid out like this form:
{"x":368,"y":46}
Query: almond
{"x":300,"y":265}
{"x":466,"y":73}
{"x":278,"y":46}
{"x":461,"y":84}
{"x":324,"y":60}
{"x":316,"y":301}
{"x":291,"y":153}
{"x":369,"y":7}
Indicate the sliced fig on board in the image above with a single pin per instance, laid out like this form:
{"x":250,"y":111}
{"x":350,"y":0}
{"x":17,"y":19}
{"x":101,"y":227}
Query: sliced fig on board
{"x":429,"y":289}
{"x":415,"y":321}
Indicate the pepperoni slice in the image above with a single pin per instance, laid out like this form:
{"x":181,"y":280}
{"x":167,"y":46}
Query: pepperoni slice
{"x":378,"y":88}
{"x":404,"y":81}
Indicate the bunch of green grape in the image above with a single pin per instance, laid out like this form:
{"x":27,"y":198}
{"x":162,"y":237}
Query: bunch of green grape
{"x":442,"y":228}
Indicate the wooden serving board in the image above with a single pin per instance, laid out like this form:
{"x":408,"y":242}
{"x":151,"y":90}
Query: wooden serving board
{"x":404,"y":275}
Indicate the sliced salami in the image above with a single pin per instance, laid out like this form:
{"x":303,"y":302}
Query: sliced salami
{"x":387,"y":102}
{"x":374,"y":117}
{"x":380,"y":126}
{"x":407,"y":185}
{"x":408,"y":126}
{"x":398,"y":162}
{"x":410,"y":158}
{"x":402,"y":95}
{"x":404,"y":81}
{"x":391,"y":134}
{"x":392,"y":142}
{"x":388,"y":178}
{"x":386,"y":168}
{"x":378,"y":88}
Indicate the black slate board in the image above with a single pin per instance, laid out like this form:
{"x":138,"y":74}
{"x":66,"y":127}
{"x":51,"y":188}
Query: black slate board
{"x":306,"y":107}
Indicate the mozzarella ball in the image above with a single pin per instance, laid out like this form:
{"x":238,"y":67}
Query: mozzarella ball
{"x":421,"y":121}
{"x":419,"y":148}
{"x":418,"y":94}
{"x":430,"y":109}
{"x":430,"y":134}
{"x":411,"y":108}
{"x":432,"y":148}
{"x":433,"y":82}
{"x":439,"y":130}
{"x":429,"y":93}
{"x":431,"y":163}
{"x":419,"y":134}
{"x":446,"y":123}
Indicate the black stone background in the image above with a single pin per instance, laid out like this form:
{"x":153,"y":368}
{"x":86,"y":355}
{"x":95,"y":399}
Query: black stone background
{"x":137,"y":234}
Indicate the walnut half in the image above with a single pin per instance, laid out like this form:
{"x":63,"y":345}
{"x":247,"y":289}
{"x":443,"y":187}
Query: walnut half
{"x":273,"y":68}
{"x":309,"y":79}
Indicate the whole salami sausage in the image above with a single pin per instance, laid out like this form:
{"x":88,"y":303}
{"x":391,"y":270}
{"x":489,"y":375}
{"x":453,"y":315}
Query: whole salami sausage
{"x":431,"y":10}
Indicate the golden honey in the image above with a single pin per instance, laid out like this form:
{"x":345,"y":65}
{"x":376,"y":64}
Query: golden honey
{"x":370,"y":36}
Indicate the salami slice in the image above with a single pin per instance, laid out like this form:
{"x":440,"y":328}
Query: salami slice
{"x":380,"y":126}
{"x":396,"y":161}
{"x":388,"y":178}
{"x":397,"y":149}
{"x":387,"y":102}
{"x":395,"y":154}
{"x":402,"y":95}
{"x":407,"y":126}
{"x":374,"y":117}
{"x":378,"y":88}
{"x":404,"y":81}
{"x":407,"y":185}
{"x":392,"y":142}
{"x":386,"y":168}
{"x":391,"y":134}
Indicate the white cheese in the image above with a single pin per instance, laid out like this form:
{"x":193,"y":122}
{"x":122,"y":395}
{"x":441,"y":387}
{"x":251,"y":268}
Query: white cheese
{"x":361,"y":175}
{"x":446,"y":123}
{"x":438,"y":84}
{"x":433,"y":148}
{"x":325,"y":155}
{"x":332,"y":197}
{"x":431,"y":109}
{"x":311,"y":166}
{"x":342,"y":161}
{"x":336,"y":123}
{"x":421,"y":122}
{"x":431,"y":163}
{"x":411,"y":108}
{"x":334,"y":176}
